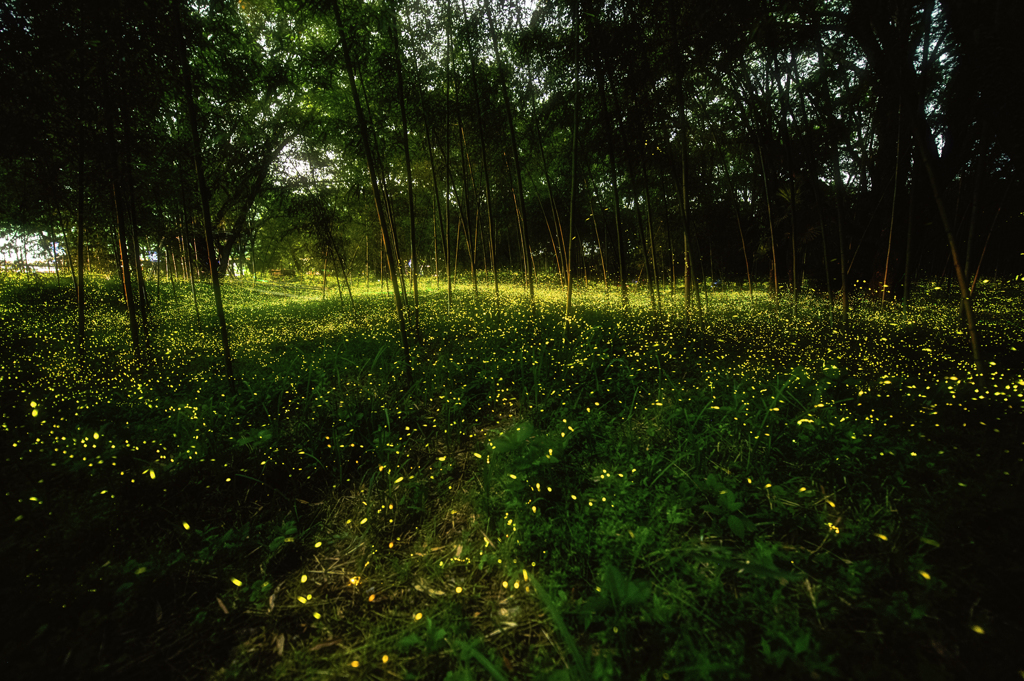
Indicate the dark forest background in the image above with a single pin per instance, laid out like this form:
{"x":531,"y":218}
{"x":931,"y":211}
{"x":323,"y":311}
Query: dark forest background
{"x":794,"y":141}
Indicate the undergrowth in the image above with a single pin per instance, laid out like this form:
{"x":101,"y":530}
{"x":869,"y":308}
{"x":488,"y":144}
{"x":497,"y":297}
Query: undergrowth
{"x":627,"y":493}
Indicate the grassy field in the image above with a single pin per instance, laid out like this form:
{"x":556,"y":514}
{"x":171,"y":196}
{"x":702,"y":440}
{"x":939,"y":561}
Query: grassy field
{"x":741,"y":491}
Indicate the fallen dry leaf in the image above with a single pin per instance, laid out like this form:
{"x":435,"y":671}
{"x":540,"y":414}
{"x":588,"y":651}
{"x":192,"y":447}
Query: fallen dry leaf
{"x":328,"y":644}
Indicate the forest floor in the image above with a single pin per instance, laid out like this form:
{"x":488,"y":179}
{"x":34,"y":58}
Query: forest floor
{"x":742,"y":491}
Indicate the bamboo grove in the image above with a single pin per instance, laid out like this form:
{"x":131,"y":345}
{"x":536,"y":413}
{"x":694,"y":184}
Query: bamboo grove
{"x":650,"y":149}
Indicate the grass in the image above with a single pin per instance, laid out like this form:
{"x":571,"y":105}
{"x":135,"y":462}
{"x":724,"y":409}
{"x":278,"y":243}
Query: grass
{"x":629,"y":493}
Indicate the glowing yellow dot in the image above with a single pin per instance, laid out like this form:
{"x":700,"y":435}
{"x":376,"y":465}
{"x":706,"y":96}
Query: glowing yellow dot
{"x":418,"y":616}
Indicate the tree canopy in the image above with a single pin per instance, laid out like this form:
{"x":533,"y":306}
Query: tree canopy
{"x":790,"y":141}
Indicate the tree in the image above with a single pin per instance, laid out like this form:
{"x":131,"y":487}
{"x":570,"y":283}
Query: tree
{"x":204,"y":192}
{"x":391,"y":252}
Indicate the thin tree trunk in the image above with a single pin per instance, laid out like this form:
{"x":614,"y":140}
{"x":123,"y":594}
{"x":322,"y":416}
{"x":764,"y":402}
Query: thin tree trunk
{"x":53,"y":248}
{"x":486,"y":168}
{"x":892,"y":214}
{"x":80,"y":190}
{"x":173,"y":272}
{"x":975,"y":201}
{"x":910,"y":231}
{"x":771,"y":226}
{"x":323,"y":285}
{"x":517,"y":204}
{"x":143,"y":307}
{"x":929,"y":156}
{"x":736,"y":212}
{"x":646,"y":253}
{"x":572,"y":172}
{"x":119,"y":211}
{"x":788,"y":141}
{"x":446,"y":242}
{"x":339,"y":261}
{"x":157,"y":268}
{"x":981,"y":258}
{"x":437,"y":194}
{"x":189,"y":265}
{"x":652,"y":282}
{"x":125,"y":269}
{"x":555,"y":250}
{"x":597,"y":233}
{"x":464,"y":208}
{"x":746,"y":260}
{"x":557,"y":245}
{"x":364,"y":133}
{"x":608,"y":132}
{"x":408,"y":177}
{"x":684,"y":205}
{"x":838,"y":179}
{"x":204,"y":194}
{"x":525,"y":234}
{"x":252,"y":257}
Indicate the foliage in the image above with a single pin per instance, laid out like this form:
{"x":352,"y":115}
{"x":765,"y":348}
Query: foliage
{"x":620,"y":494}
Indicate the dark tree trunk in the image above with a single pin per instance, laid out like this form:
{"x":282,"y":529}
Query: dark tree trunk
{"x":525,"y":234}
{"x":486,"y":167}
{"x":204,"y":193}
{"x":610,"y":137}
{"x":390,"y":252}
{"x":929,"y":158}
{"x":408,"y":178}
{"x":80,"y":190}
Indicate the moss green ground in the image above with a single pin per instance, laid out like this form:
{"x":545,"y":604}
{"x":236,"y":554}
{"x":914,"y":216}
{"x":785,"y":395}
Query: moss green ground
{"x":740,"y":491}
